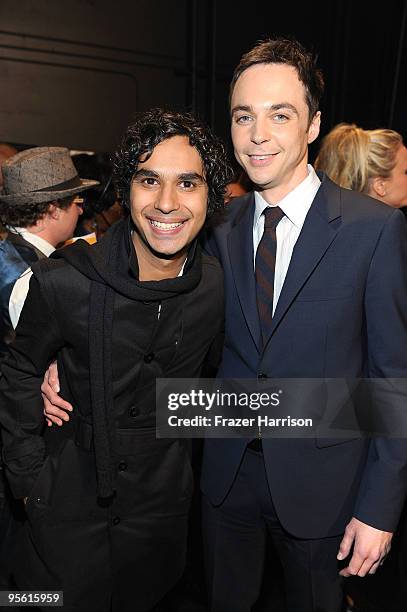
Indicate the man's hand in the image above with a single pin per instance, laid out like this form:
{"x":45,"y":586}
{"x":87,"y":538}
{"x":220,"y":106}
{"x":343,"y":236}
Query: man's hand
{"x":370,"y":547}
{"x":55,"y":408}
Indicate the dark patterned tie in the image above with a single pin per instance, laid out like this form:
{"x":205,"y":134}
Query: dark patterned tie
{"x":265,"y":268}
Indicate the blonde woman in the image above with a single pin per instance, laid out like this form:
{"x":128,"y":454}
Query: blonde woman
{"x":370,"y":161}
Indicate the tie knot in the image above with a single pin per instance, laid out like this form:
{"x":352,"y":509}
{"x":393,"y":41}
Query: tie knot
{"x":272,"y":217}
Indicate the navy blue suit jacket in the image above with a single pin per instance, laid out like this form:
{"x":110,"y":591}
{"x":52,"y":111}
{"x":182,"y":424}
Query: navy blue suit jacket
{"x":342,"y":313}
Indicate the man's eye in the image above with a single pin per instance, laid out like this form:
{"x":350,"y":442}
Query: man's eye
{"x":243,"y":119}
{"x":150,"y":181}
{"x":280,"y":117}
{"x":187,"y":184}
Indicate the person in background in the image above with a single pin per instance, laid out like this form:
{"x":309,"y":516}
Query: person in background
{"x":240,"y":185}
{"x":40,"y":209}
{"x":101,"y":208}
{"x":373,"y":162}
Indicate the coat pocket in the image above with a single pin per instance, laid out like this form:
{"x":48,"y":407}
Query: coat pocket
{"x":40,"y":495}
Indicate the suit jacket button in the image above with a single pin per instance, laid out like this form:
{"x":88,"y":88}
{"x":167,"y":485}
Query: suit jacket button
{"x":122,"y":466}
{"x":133,"y":412}
{"x":116,"y":520}
{"x":262,"y":375}
{"x":149,"y":357}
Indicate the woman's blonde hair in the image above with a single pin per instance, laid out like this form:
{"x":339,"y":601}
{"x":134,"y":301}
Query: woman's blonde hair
{"x":352,"y":157}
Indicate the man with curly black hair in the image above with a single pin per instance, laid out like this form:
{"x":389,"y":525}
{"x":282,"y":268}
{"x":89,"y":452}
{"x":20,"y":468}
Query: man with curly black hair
{"x":106,"y":501}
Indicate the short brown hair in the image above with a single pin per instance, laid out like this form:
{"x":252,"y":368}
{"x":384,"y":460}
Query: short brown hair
{"x":291,"y":53}
{"x":24,"y":216}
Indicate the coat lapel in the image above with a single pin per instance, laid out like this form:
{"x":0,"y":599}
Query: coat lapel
{"x":318,"y":232}
{"x":241,"y":257}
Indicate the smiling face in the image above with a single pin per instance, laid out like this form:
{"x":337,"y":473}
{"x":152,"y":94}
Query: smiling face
{"x":168,"y":201}
{"x":271,"y":129}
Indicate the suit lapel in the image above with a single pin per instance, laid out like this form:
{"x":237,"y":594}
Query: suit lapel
{"x":318,"y":232}
{"x":241,"y":258}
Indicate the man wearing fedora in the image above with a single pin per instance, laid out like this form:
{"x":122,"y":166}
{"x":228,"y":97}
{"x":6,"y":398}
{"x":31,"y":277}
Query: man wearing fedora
{"x":40,"y":209}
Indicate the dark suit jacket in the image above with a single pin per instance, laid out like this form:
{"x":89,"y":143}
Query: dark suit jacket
{"x":342,"y":312}
{"x":16,"y":255}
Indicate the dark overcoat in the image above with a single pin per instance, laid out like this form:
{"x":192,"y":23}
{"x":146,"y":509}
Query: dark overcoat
{"x":127,"y":550}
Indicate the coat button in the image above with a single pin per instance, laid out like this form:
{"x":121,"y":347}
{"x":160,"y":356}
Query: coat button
{"x":122,"y":466}
{"x":149,"y":357}
{"x":116,"y":520}
{"x":133,"y":412}
{"x":262,"y":375}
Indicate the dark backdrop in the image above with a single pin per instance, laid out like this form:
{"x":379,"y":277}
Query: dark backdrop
{"x":362,"y":51}
{"x":74,"y":72}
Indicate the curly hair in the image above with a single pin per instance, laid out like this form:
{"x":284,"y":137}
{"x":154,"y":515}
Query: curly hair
{"x":27,"y":215}
{"x":290,"y":52}
{"x":157,"y":125}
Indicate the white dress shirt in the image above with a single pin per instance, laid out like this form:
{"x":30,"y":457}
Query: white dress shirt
{"x":295,"y":206}
{"x":21,"y":286}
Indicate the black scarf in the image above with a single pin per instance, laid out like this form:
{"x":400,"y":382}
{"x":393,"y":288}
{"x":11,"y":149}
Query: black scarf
{"x":108,"y":265}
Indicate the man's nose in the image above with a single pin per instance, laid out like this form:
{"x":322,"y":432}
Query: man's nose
{"x":260,"y":131}
{"x":167,"y":200}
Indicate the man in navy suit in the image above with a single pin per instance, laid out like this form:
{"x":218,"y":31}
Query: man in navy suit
{"x":337,"y":310}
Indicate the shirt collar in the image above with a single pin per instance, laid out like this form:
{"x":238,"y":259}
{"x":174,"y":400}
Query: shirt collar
{"x":42,"y":245}
{"x":296,"y":204}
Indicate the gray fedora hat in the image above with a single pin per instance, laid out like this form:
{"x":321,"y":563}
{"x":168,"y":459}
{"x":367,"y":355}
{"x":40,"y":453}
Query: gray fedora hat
{"x":41,"y":174}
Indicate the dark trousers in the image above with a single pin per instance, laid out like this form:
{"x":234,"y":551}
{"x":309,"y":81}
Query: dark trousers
{"x":235,"y":538}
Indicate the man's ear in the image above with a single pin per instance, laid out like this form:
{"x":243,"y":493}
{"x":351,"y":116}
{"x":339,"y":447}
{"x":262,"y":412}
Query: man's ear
{"x":313,"y":130}
{"x":53,"y":211}
{"x":378,"y":187}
